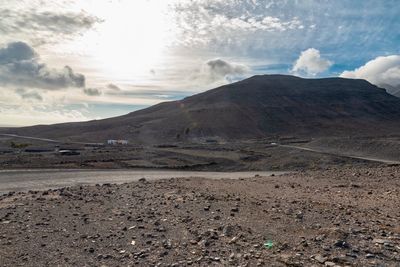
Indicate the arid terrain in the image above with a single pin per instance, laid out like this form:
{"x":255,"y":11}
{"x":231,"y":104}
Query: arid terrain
{"x":259,"y":107}
{"x":336,"y":217}
{"x":337,"y":203}
{"x":269,"y":154}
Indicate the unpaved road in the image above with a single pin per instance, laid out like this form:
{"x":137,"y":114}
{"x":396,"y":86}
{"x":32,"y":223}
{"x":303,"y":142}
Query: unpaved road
{"x":31,"y":138}
{"x":391,"y":162}
{"x":48,"y":140}
{"x":24,"y":180}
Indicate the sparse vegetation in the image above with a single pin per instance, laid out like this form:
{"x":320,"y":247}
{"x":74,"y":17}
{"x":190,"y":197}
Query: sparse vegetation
{"x":19,"y":146}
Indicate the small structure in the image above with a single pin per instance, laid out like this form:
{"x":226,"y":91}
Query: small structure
{"x":67,"y":152}
{"x":117,"y":142}
{"x":39,"y":149}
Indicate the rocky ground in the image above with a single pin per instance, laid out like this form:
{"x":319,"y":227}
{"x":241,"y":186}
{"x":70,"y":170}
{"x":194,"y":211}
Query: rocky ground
{"x":337,"y":217}
{"x":253,"y":155}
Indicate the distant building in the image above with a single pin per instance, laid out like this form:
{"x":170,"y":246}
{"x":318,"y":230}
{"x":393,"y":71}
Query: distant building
{"x":68,"y":152}
{"x":117,"y":142}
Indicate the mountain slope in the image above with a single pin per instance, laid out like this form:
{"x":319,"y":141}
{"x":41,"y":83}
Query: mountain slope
{"x":252,"y":108}
{"x":394,"y":90}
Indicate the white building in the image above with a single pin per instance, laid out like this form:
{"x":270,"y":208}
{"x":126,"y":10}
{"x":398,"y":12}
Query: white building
{"x":117,"y":142}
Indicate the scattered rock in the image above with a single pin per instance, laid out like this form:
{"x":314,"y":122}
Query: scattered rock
{"x":320,"y":258}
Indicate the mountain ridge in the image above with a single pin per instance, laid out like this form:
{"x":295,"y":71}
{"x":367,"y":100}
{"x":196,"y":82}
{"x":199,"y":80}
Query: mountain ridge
{"x":260,"y":106}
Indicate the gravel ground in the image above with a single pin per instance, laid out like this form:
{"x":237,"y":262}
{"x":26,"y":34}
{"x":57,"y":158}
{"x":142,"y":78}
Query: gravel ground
{"x":337,"y":217}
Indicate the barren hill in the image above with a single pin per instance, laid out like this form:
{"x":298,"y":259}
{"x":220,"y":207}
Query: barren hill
{"x":256,"y":107}
{"x":394,"y":90}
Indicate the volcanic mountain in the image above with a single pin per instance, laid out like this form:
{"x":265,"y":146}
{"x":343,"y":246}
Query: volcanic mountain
{"x":260,"y":106}
{"x":394,"y":90}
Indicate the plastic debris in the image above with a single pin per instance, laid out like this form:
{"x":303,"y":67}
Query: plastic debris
{"x":269,"y":244}
{"x":133,"y":242}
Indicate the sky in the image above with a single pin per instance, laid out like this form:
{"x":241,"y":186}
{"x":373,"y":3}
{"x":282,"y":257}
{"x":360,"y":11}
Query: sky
{"x":77,"y":60}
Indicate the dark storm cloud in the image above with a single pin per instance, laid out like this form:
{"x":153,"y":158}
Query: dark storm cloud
{"x":91,"y":91}
{"x":20,"y":66}
{"x":16,"y":51}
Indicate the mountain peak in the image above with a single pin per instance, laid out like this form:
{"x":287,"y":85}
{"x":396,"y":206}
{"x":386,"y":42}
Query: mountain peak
{"x":260,"y":106}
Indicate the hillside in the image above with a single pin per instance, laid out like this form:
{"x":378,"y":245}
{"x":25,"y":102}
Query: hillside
{"x":394,"y":90}
{"x":256,"y":107}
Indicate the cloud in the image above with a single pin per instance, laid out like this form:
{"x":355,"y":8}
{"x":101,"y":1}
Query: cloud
{"x":311,"y":62}
{"x":17,"y":51}
{"x":28,"y":94}
{"x":383,"y":71}
{"x":267,"y":23}
{"x":153,"y":94}
{"x":67,"y":23}
{"x":20,"y":66}
{"x":232,"y":25}
{"x":113,"y":87}
{"x":44,"y":26}
{"x":92,"y":91}
{"x":218,"y":69}
{"x":23,"y":115}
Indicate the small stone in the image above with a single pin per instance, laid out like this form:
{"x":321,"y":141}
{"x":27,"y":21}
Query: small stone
{"x":227,"y":230}
{"x":167,"y":244}
{"x":342,"y":244}
{"x":380,"y":241}
{"x":320,"y":258}
{"x":233,"y":240}
{"x":235,"y":209}
{"x":300,"y":215}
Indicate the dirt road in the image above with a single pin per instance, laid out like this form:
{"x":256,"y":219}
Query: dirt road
{"x":24,"y":180}
{"x":391,"y":162}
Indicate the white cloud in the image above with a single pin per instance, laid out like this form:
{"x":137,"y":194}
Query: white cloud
{"x":222,"y":24}
{"x":382,"y":71}
{"x":25,"y":115}
{"x":267,"y":23}
{"x":311,"y":62}
{"x":28,"y":107}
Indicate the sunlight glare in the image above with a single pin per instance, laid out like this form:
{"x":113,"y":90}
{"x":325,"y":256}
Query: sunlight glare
{"x":132,"y":38}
